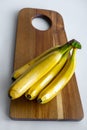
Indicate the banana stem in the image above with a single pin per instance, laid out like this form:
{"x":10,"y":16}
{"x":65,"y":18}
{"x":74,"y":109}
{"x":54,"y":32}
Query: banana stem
{"x":76,"y":44}
{"x":72,"y":43}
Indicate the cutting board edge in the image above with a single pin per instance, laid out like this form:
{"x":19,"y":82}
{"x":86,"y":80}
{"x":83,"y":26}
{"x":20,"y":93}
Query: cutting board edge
{"x":29,"y":119}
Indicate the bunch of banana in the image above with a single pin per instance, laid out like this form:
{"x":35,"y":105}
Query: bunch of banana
{"x":45,"y":75}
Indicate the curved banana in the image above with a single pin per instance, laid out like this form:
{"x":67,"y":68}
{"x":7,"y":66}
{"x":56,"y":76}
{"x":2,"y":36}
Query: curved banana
{"x":36,"y":60}
{"x":60,"y":81}
{"x":33,"y":92}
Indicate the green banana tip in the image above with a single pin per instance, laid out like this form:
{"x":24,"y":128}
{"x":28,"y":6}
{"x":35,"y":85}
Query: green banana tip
{"x":75,"y":44}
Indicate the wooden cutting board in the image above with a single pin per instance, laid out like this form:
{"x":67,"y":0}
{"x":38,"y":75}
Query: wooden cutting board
{"x":31,"y":42}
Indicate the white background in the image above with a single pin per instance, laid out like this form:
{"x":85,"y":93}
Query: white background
{"x":74,"y":13}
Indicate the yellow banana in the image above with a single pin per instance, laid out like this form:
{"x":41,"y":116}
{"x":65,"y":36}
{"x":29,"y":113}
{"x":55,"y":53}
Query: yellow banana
{"x":36,"y":60}
{"x":31,"y":76}
{"x":33,"y":92}
{"x":17,"y":73}
{"x":60,"y":80}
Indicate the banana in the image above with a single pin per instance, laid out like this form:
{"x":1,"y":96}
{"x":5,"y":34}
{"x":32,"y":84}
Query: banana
{"x":33,"y":92}
{"x":60,"y":80}
{"x":36,"y":60}
{"x":17,"y":73}
{"x":31,"y":76}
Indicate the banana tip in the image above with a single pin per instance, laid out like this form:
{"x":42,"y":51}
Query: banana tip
{"x":9,"y":96}
{"x":13,"y":79}
{"x":39,"y":100}
{"x":28,"y":96}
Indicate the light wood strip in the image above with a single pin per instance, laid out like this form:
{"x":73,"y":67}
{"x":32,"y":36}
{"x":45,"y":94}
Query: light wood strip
{"x":60,"y":106}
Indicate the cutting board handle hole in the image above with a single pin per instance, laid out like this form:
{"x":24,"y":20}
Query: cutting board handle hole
{"x":41,"y":22}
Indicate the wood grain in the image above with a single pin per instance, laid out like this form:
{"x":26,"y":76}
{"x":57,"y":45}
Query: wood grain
{"x":31,"y":42}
